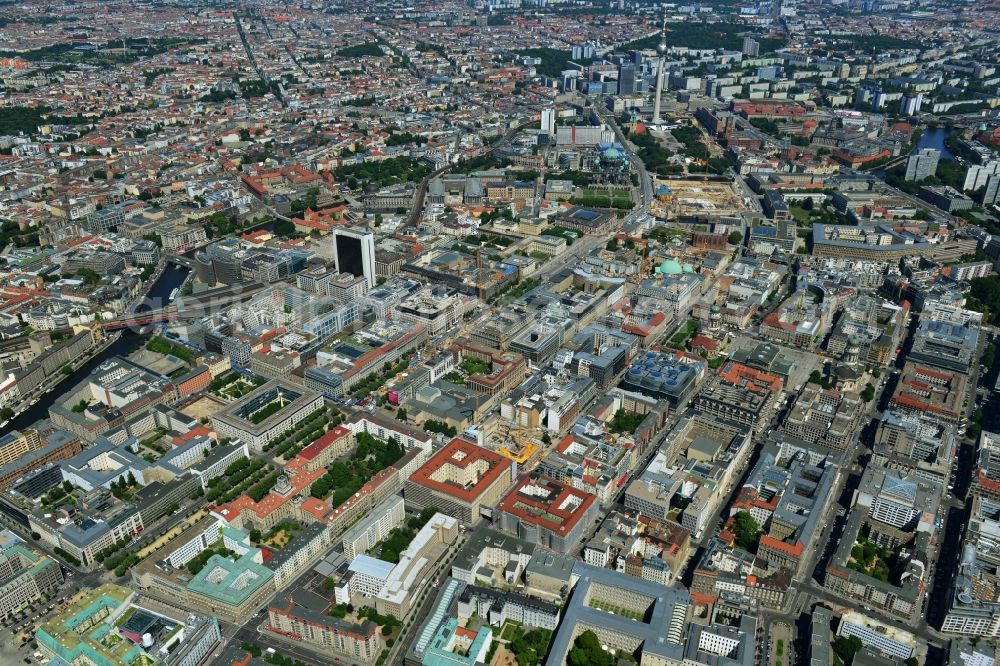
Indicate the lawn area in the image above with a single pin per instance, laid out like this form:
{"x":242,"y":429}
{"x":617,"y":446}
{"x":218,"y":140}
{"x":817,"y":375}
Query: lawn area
{"x":603,"y":199}
{"x":233,"y":385}
{"x":474,"y":366}
{"x":268,"y":410}
{"x":161,"y":346}
{"x":281,"y":534}
{"x":509,"y":630}
{"x":664,"y":234}
{"x":800,"y":214}
{"x":609,"y":608}
{"x":681,"y":335}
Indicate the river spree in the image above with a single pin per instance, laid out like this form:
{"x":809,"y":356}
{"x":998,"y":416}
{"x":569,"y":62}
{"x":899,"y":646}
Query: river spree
{"x":128,"y":341}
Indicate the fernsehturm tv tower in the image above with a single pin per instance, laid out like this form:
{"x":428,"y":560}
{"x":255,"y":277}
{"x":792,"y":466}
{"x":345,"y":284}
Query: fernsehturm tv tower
{"x":661,"y":49}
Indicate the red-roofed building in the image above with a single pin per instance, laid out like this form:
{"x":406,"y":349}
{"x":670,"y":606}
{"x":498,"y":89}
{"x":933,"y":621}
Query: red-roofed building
{"x":930,"y":391}
{"x":363,"y":640}
{"x":278,"y":505}
{"x":544,"y":511}
{"x":320,"y":221}
{"x":197,"y":431}
{"x":704,"y":345}
{"x":460,"y":480}
{"x":328,"y":446}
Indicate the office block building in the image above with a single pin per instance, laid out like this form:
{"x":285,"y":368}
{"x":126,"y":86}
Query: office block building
{"x":922,"y":164}
{"x":354,"y":253}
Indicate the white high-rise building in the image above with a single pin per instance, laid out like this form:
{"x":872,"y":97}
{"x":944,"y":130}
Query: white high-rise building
{"x":922,"y":164}
{"x":910,"y":103}
{"x":549,"y":121}
{"x":979,"y":174}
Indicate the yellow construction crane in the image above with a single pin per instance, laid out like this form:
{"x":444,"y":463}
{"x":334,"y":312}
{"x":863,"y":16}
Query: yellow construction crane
{"x":526,"y":450}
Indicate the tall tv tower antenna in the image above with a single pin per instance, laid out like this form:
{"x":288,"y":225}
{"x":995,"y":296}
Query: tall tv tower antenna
{"x":661,"y":49}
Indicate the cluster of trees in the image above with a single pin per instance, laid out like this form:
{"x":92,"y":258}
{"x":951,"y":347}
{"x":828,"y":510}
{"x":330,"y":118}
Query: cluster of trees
{"x":198,"y":562}
{"x":375,"y":380}
{"x":397,"y":541}
{"x":430,"y":425}
{"x":704,"y":35}
{"x":66,"y":52}
{"x":873,"y":43}
{"x":309,"y":201}
{"x":24,"y":119}
{"x":425,"y":47}
{"x":160,"y":345}
{"x":10,"y":232}
{"x":258,"y":491}
{"x":284,"y":228}
{"x":579,"y":178}
{"x":985,"y":297}
{"x":382,"y":173}
{"x":521,"y":287}
{"x":152,"y":74}
{"x":57,"y":493}
{"x":491,"y":240}
{"x":845,"y":647}
{"x":949,"y":172}
{"x":817,"y":378}
{"x":88,"y":275}
{"x":359,"y":101}
{"x":65,"y":555}
{"x":653,"y":155}
{"x":474,"y":366}
{"x":872,"y":559}
{"x":479,"y":163}
{"x":586,"y":651}
{"x":302,"y":433}
{"x":121,"y":562}
{"x":626,"y":422}
{"x":746,"y":530}
{"x":400,"y":537}
{"x":766,"y":125}
{"x":405,"y":138}
{"x":122,"y":487}
{"x":553,"y":61}
{"x":343,"y":479}
{"x":225,"y":380}
{"x":361,"y":50}
{"x":220,"y":225}
{"x":240,"y":475}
